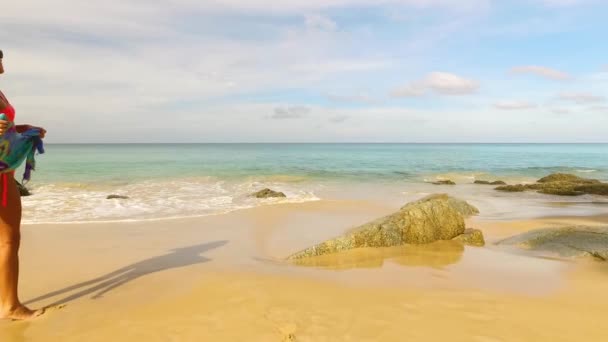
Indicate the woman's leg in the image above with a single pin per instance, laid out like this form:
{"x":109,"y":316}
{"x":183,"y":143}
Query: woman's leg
{"x":10,"y":239}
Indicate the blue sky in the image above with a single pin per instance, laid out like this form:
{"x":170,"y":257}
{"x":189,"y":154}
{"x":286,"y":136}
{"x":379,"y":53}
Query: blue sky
{"x":309,"y":71}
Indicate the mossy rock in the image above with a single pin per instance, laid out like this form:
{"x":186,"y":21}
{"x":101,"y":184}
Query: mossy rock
{"x":595,"y":189}
{"x":267,"y":193}
{"x":444,"y":182}
{"x":461,"y":206}
{"x":561,"y":184}
{"x":575,"y":241}
{"x":567,"y":178}
{"x":433,"y":218}
{"x":511,"y":188}
{"x":484,"y":182}
{"x":117,"y":197}
{"x":471,"y":237}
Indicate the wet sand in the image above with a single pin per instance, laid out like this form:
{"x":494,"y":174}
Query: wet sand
{"x":224,"y":278}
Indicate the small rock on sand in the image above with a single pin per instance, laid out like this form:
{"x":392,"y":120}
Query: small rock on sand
{"x":268,"y":193}
{"x":117,"y":197}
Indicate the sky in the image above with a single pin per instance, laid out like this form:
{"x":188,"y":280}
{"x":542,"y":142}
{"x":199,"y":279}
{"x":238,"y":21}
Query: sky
{"x":123,"y":71}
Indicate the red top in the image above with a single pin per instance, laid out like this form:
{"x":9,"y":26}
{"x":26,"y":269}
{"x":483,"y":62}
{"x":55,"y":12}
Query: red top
{"x":9,"y":111}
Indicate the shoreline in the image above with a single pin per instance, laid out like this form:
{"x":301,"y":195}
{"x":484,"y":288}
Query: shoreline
{"x":224,"y":278}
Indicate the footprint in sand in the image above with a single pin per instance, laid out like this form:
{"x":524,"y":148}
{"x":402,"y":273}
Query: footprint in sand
{"x":288,"y":332}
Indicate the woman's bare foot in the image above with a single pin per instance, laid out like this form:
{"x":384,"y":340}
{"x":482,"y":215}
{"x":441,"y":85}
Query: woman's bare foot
{"x":21,"y":313}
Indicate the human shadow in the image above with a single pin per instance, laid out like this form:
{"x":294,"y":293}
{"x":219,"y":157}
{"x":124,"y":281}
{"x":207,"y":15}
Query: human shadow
{"x":179,"y":257}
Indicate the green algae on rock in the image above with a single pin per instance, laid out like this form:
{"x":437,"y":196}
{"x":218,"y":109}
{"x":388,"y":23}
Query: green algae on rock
{"x":463,"y":207}
{"x":575,"y":241}
{"x":484,"y":182}
{"x":433,"y":218}
{"x":471,"y":237}
{"x":566,"y":177}
{"x":512,"y":188}
{"x":444,"y":182}
{"x":267,"y":193}
{"x":561,"y":184}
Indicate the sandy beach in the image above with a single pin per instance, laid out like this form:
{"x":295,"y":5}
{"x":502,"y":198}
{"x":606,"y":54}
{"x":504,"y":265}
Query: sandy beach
{"x":304,"y":171}
{"x":224,"y":278}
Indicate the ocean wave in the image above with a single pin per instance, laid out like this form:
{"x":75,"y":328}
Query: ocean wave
{"x":151,"y":200}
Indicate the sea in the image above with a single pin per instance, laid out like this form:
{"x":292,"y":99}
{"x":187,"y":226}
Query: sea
{"x":72,"y":181}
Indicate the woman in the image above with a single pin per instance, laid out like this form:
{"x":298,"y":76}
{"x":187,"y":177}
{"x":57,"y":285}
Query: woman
{"x":10,"y":234}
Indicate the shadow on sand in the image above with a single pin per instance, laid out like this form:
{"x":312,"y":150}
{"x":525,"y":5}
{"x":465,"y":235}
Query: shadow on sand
{"x":179,"y":257}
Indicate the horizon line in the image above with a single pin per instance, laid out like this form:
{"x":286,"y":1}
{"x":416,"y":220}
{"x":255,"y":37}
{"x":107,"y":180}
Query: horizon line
{"x":318,"y":143}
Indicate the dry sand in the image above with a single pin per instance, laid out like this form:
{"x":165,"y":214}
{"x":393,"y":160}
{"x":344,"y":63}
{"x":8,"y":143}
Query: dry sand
{"x":223,"y":278}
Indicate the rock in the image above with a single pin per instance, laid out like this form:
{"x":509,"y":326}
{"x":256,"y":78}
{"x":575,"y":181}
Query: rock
{"x":23,"y":191}
{"x":595,"y":189}
{"x":267,"y":193}
{"x":562,"y":184}
{"x":471,"y":237}
{"x":463,"y":207}
{"x":565,"y":177}
{"x":511,"y":188}
{"x":444,"y":182}
{"x":575,"y":241}
{"x":117,"y":197}
{"x":498,"y":182}
{"x":430,"y":219}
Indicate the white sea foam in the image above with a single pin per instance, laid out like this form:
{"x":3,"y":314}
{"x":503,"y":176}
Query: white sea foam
{"x":151,"y":200}
{"x":586,"y":171}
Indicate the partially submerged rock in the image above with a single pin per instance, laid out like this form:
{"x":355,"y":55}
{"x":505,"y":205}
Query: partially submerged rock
{"x":566,"y":177}
{"x":561,"y":184}
{"x":117,"y":197}
{"x":595,"y":189}
{"x":23,"y":191}
{"x":471,"y":237}
{"x":444,"y":182}
{"x":436,"y":217}
{"x":512,"y":188}
{"x":575,"y":241}
{"x":267,"y":193}
{"x":484,"y":182}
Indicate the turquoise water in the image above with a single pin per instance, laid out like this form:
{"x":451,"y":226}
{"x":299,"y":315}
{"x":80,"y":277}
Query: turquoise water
{"x":176,"y":180}
{"x":93,"y":163}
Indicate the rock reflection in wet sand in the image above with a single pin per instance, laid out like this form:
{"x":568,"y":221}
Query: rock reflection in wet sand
{"x":435,"y":255}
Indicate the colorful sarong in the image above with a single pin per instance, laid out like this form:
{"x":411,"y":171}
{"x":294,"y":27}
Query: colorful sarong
{"x":15,"y":148}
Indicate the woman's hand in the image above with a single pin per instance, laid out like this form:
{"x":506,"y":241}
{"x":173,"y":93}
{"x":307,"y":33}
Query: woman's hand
{"x":4,"y":126}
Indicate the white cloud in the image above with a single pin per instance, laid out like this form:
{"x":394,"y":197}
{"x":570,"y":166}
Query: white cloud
{"x":514,"y":105}
{"x":291,"y":112}
{"x":317,"y":21}
{"x":541,"y":71}
{"x":440,"y":82}
{"x":451,"y":84}
{"x":581,"y":98}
